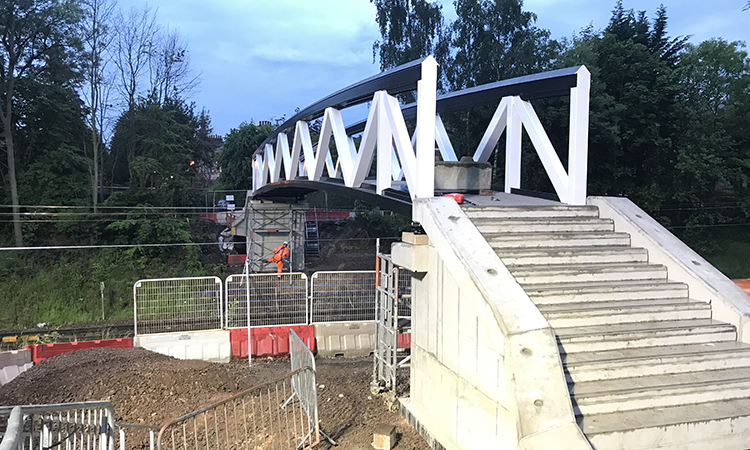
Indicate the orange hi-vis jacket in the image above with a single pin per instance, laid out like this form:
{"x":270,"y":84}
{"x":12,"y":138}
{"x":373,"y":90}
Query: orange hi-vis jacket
{"x":279,"y":253}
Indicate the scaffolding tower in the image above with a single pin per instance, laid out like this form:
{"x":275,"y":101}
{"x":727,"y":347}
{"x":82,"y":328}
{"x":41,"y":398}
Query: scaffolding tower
{"x":266,"y":225}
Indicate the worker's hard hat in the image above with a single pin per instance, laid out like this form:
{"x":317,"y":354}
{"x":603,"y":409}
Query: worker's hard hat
{"x":286,"y":243}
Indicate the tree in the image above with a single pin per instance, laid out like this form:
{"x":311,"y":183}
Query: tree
{"x":31,"y":32}
{"x":134,"y":46}
{"x":714,"y":77}
{"x":236,"y":155}
{"x":96,"y":36}
{"x":170,"y":73}
{"x":495,"y":40}
{"x":409,"y":30}
{"x":634,"y":116}
{"x":164,"y":147}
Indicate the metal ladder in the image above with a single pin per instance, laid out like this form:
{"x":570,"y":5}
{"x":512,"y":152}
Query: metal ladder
{"x":312,"y":238}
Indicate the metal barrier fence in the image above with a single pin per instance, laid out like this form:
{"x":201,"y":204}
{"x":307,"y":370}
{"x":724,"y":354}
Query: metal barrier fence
{"x":274,"y":300}
{"x":256,"y":419}
{"x":196,"y":304}
{"x":304,"y":386}
{"x":342,"y":296}
{"x":68,"y":426}
{"x":177,"y":304}
{"x":403,"y":292}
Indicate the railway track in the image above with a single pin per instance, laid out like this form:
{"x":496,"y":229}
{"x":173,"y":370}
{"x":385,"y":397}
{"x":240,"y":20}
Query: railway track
{"x":38,"y":335}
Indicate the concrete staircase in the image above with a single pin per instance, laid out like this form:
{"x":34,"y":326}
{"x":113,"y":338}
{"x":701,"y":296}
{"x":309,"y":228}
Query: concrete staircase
{"x":647,"y":366}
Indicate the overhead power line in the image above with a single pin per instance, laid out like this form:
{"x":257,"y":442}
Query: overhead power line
{"x":177,"y":244}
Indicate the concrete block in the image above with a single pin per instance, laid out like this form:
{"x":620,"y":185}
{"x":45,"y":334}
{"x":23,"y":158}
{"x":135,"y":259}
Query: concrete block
{"x":412,"y":238}
{"x":384,"y":437}
{"x":462,"y":175}
{"x":347,"y":339}
{"x":413,"y":257}
{"x":13,"y":363}
{"x":214,"y":346}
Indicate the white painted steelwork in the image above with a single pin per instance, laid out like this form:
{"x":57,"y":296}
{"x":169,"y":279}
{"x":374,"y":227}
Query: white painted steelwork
{"x":385,"y":129}
{"x":399,"y":157}
{"x":513,"y":115}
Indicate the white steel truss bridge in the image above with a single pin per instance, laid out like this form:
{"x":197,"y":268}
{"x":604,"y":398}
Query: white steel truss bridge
{"x":288,"y":164}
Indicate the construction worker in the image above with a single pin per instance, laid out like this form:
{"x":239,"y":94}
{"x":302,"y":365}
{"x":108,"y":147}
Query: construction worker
{"x":279,"y":253}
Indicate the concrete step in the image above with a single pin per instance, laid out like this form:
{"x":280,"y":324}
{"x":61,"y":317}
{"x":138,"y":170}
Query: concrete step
{"x":630,"y":362}
{"x":643,"y":334}
{"x":572,"y":255}
{"x":535,"y":212}
{"x":719,"y":425}
{"x":560,"y":225}
{"x":560,"y":293}
{"x":550,"y":240}
{"x":577,"y":273}
{"x":626,"y":311}
{"x":656,"y":391}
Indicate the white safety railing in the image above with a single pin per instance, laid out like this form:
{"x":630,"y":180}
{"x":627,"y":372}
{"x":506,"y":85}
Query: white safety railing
{"x":177,"y":304}
{"x":273,"y":299}
{"x":69,"y":426}
{"x":343,"y":296}
{"x":385,"y":127}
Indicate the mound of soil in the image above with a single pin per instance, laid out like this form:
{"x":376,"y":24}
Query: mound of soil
{"x":149,"y":388}
{"x":144,"y":387}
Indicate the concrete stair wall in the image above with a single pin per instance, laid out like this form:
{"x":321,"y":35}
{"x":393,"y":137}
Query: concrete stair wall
{"x":647,"y":364}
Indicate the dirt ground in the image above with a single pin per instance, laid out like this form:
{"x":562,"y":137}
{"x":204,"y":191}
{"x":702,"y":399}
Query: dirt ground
{"x":149,"y":388}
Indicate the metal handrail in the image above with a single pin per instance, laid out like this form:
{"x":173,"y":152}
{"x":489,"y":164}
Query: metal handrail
{"x":555,"y":83}
{"x":14,"y":432}
{"x":397,"y":80}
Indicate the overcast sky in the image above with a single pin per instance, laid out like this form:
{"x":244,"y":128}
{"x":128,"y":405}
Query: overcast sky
{"x":261,"y":59}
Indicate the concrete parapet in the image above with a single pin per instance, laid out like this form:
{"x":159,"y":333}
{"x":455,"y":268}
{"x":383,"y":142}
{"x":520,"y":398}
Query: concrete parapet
{"x":13,"y":363}
{"x":485,"y":368}
{"x":214,"y":346}
{"x":729,"y":303}
{"x":348,"y":339}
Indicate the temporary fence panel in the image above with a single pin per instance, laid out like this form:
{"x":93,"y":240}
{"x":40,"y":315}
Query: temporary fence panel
{"x":136,"y":436}
{"x":70,"y":426}
{"x":274,"y":300}
{"x":392,"y":318}
{"x":256,"y":418}
{"x":386,"y":326}
{"x":343,"y":296}
{"x":304,"y":387}
{"x":177,"y":304}
{"x":85,"y":426}
{"x":403,"y":293}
